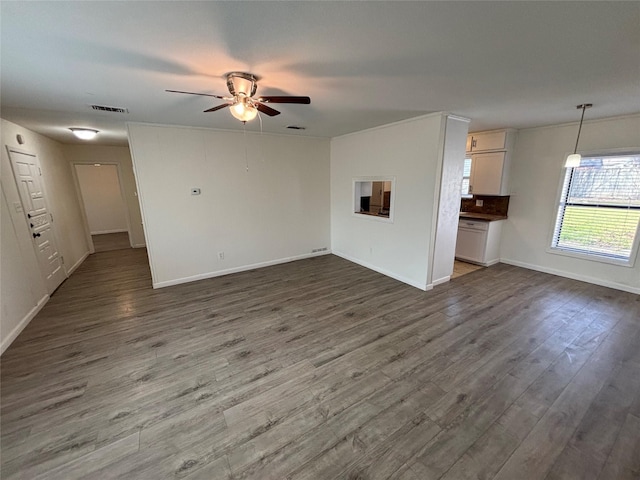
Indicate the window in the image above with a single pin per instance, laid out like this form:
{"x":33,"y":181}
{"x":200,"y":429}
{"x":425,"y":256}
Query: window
{"x":466,"y":177}
{"x":599,"y":209}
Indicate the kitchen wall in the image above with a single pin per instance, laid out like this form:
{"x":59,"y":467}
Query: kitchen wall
{"x":102,"y":198}
{"x":121,"y":156}
{"x":537,"y":170}
{"x":22,"y":291}
{"x":410,"y":152}
{"x":276,"y":211}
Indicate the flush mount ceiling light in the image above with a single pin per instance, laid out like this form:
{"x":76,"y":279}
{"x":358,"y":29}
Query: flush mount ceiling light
{"x":84,"y":133}
{"x":573,"y":160}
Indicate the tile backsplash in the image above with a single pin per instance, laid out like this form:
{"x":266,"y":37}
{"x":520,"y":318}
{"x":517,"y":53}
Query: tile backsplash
{"x":492,"y":204}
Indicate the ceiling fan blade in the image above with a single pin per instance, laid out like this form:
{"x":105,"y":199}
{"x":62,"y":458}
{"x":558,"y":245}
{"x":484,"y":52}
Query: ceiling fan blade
{"x":284,"y":99}
{"x":194,"y":93}
{"x":213,"y":109}
{"x":266,"y":110}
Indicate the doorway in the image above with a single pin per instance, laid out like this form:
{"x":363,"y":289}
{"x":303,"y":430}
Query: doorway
{"x":104,"y":206}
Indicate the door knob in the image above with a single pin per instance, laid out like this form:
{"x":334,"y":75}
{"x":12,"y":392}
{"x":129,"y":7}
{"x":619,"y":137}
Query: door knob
{"x":36,"y":235}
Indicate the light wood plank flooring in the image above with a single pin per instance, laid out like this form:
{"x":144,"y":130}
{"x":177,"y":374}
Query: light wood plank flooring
{"x":321,"y":369}
{"x":110,"y":241}
{"x":462,"y":268}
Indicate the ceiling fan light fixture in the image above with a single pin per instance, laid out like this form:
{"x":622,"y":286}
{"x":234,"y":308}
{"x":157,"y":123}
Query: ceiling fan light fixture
{"x":243,"y":111}
{"x":573,"y":160}
{"x":84,"y":133}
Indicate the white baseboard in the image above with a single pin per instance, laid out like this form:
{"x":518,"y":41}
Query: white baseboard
{"x":441,"y":281}
{"x":104,"y":232}
{"x":139,"y":245}
{"x":243,"y":268}
{"x":8,"y":340}
{"x":573,"y":276}
{"x":400,"y":278}
{"x":77,"y":264}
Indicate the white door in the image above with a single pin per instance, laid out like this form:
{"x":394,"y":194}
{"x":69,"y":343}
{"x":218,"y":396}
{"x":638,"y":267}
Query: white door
{"x":28,"y":178}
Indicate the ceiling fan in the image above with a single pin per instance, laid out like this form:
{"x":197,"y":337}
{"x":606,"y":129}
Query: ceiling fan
{"x":242,"y":103}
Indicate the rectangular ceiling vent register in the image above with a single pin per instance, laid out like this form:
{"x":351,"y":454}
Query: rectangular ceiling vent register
{"x":103,"y":108}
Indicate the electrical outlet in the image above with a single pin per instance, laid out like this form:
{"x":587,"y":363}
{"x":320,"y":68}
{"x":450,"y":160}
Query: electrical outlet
{"x":479,"y":203}
{"x":220,"y":255}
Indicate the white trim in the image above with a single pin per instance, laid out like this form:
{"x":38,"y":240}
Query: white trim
{"x":139,"y":245}
{"x":582,"y":278}
{"x":399,"y":122}
{"x":77,"y":264}
{"x":223,"y":130}
{"x":440,"y":281}
{"x":8,"y":340}
{"x":104,"y":232}
{"x":243,"y":268}
{"x":400,"y":278}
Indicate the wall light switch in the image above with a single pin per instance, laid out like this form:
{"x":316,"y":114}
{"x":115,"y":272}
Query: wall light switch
{"x":195,"y":191}
{"x":479,"y":203}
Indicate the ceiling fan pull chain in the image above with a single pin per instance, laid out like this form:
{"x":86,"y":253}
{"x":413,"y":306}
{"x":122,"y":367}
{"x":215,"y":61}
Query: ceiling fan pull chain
{"x":246,"y":154}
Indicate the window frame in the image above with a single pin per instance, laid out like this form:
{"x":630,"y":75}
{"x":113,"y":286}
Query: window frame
{"x":356,"y":198}
{"x":563,"y":190}
{"x":468,"y":194}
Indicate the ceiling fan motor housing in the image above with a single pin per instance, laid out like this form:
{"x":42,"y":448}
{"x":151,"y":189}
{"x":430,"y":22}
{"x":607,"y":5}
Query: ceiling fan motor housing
{"x":242,"y":83}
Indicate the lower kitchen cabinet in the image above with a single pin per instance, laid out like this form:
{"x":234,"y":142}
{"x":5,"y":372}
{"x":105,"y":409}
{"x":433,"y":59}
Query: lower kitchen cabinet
{"x":479,"y":241}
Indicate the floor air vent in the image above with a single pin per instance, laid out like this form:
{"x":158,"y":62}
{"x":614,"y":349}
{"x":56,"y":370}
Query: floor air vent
{"x":102,"y":108}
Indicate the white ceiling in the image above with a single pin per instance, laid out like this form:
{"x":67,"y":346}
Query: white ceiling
{"x":502,"y":64}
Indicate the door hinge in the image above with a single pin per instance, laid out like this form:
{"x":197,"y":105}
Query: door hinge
{"x":62,"y":259}
{"x":40,"y":171}
{"x":51,"y":215}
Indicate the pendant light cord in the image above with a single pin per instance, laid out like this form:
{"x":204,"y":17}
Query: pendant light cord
{"x":584,"y":107}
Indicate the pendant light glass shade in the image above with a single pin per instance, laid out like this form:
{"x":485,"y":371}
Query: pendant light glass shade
{"x":573,"y":160}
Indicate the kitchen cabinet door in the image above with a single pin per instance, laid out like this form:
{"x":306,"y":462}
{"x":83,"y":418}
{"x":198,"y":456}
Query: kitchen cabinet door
{"x":482,"y":142}
{"x":486,"y":173}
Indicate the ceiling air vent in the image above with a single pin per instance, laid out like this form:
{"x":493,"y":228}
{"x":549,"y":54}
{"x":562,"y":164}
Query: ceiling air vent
{"x":102,"y":108}
{"x":296,"y":127}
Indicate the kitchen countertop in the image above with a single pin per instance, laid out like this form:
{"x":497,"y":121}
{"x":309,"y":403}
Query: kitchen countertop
{"x":482,"y":216}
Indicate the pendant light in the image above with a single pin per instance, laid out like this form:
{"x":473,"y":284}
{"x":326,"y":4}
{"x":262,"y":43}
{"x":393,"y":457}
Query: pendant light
{"x":573,"y":160}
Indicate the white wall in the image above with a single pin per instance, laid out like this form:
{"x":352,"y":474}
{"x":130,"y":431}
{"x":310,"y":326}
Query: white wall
{"x":536,"y":171}
{"x":276,"y":211}
{"x":445,"y":233}
{"x":102,"y":197}
{"x":409,"y":151}
{"x":22,"y":291}
{"x":90,"y":154}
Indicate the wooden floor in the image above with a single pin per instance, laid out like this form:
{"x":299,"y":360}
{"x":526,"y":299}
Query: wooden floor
{"x":321,"y":369}
{"x":106,"y":242}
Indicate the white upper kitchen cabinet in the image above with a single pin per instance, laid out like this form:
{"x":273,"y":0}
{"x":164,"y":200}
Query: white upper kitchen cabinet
{"x":486,"y":173}
{"x":490,"y":154}
{"x":487,"y":141}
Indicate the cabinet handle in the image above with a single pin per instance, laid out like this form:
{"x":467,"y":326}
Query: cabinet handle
{"x":473,"y":143}
{"x":470,"y":188}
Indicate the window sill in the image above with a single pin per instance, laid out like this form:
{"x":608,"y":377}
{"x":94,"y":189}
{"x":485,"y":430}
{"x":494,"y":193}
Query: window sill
{"x":593,"y":257}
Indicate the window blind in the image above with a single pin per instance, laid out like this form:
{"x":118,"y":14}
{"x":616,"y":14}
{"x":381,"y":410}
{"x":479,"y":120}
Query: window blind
{"x":599,"y":207}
